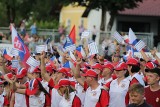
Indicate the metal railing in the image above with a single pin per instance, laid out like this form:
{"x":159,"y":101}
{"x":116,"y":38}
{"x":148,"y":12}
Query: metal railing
{"x":53,"y":33}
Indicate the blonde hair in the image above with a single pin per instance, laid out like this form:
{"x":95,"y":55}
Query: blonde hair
{"x":67,"y":92}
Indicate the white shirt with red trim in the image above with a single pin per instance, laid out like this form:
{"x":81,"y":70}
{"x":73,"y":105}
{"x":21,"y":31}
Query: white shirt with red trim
{"x":80,"y":93}
{"x":67,"y":103}
{"x":55,"y":98}
{"x":117,"y":93}
{"x":45,"y":85}
{"x":37,"y":101}
{"x":139,"y":78}
{"x":103,"y":81}
{"x":92,"y":96}
{"x":20,"y":99}
{"x":1,"y":100}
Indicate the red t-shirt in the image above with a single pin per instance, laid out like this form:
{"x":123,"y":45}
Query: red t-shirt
{"x":152,"y":97}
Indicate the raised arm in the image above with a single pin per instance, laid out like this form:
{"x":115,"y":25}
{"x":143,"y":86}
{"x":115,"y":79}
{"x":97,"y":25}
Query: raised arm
{"x":44,"y":73}
{"x":144,"y":56}
{"x":153,"y":53}
{"x":76,"y":72}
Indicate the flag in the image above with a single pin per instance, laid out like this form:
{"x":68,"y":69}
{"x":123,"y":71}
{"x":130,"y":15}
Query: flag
{"x":18,"y":44}
{"x":132,"y":36}
{"x":47,"y":41}
{"x":137,"y":43}
{"x":72,"y":56}
{"x":118,"y":37}
{"x":80,"y":52}
{"x":72,"y":34}
{"x":51,"y":62}
{"x":69,"y":46}
{"x":67,"y":66}
{"x":51,"y":49}
{"x":130,"y":53}
{"x":6,"y":56}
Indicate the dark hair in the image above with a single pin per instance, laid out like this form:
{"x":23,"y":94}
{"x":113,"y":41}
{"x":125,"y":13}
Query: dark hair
{"x":126,"y":74}
{"x":135,"y":68}
{"x":41,"y":88}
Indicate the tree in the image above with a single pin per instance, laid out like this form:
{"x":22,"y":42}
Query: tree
{"x":18,"y":10}
{"x":112,"y":6}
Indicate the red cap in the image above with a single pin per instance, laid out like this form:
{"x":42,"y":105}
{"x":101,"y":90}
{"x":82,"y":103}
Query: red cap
{"x":108,"y":65}
{"x":63,"y":70}
{"x":36,"y":70}
{"x":150,"y":65}
{"x":49,"y":68}
{"x":21,"y":73}
{"x":132,"y":61}
{"x":121,"y":66}
{"x":33,"y":87}
{"x":97,"y":66}
{"x":62,"y":82}
{"x":84,"y":69}
{"x":90,"y":73}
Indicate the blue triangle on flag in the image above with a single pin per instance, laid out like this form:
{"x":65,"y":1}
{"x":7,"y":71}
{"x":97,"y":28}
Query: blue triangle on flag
{"x":67,"y":65}
{"x":53,"y":58}
{"x":4,"y":52}
{"x":68,"y":42}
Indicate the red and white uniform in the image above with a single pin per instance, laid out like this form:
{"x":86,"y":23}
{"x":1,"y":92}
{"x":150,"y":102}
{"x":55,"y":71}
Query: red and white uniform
{"x":92,"y":97}
{"x":21,"y":100}
{"x":3,"y":101}
{"x":55,"y":98}
{"x":71,"y":102}
{"x":103,"y":81}
{"x":137,"y":78}
{"x":37,"y":101}
{"x":118,"y":92}
{"x":80,"y":93}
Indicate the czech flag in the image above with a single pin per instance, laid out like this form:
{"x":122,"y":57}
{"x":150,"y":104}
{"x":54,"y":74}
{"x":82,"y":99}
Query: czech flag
{"x":6,"y":56}
{"x":80,"y":52}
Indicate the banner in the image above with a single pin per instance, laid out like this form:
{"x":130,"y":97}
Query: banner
{"x":41,"y":48}
{"x":92,"y":48}
{"x":15,"y":64}
{"x":33,"y":62}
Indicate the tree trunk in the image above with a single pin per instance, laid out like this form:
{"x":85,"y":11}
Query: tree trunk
{"x":110,"y":24}
{"x":103,"y":19}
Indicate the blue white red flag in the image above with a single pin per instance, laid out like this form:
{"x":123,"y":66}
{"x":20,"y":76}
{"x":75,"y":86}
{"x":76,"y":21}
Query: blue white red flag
{"x":80,"y":52}
{"x":137,"y":43}
{"x":18,"y":44}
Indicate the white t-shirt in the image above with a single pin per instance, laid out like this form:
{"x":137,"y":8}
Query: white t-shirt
{"x":92,"y":96}
{"x":56,"y":98}
{"x":20,"y":100}
{"x":37,"y":101}
{"x":1,"y":100}
{"x":117,"y":93}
